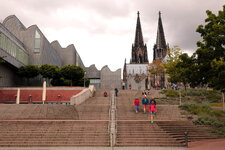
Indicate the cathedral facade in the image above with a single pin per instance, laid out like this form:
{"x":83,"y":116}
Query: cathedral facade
{"x":136,"y":74}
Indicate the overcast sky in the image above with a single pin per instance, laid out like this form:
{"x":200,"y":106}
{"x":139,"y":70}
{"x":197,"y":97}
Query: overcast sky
{"x":103,"y":30}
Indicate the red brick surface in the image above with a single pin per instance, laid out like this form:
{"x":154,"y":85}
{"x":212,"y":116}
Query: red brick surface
{"x":8,"y":95}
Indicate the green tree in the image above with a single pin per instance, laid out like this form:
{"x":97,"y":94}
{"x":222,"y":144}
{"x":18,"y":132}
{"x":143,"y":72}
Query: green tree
{"x":28,"y":72}
{"x":156,"y":67}
{"x":184,"y":67}
{"x":157,"y":70}
{"x":72,"y":73}
{"x":211,"y":47}
{"x":179,"y":66}
{"x":171,"y":62}
{"x":210,"y":56}
{"x":218,"y":79}
{"x":49,"y":72}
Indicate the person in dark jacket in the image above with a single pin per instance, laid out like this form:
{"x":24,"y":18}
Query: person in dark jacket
{"x":152,"y":99}
{"x":145,"y":102}
{"x":116,"y":91}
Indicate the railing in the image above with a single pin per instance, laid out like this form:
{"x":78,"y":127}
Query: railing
{"x":112,"y":121}
{"x":115,"y":121}
{"x":110,"y":104}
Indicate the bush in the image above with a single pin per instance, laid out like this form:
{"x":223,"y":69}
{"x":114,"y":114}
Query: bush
{"x":207,"y":116}
{"x":206,"y":108}
{"x":191,"y":107}
{"x":218,"y":113}
{"x":209,"y":120}
{"x":170,"y":93}
{"x":211,"y":96}
{"x":214,"y":96}
{"x":194,"y":92}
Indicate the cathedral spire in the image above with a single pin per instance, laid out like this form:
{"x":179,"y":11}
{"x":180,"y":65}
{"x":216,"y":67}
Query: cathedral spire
{"x":160,"y":40}
{"x":125,"y":71}
{"x":160,"y":48}
{"x":139,"y":54}
{"x":138,"y":34}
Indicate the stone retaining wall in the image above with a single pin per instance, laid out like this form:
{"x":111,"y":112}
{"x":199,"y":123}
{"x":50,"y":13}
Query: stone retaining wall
{"x":82,"y":96}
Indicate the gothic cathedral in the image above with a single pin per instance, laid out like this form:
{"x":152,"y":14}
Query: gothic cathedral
{"x":136,"y":75}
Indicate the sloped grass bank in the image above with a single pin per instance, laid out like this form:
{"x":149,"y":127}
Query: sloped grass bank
{"x":207,"y":116}
{"x":198,"y":95}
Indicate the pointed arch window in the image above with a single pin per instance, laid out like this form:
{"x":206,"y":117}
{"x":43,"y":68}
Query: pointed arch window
{"x":37,"y":42}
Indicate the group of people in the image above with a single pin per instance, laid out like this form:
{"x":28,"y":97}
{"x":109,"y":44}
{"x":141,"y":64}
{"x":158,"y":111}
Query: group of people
{"x":145,"y":102}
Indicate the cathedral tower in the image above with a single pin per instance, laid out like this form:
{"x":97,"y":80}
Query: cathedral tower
{"x":139,"y":53}
{"x":160,"y":48}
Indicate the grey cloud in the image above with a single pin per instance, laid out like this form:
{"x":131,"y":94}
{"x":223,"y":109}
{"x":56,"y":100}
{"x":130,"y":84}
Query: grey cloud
{"x":180,"y":17}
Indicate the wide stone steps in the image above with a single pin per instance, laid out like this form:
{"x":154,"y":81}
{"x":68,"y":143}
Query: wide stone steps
{"x":54,"y":133}
{"x":144,"y":133}
{"x":136,"y":130}
{"x":177,"y":129}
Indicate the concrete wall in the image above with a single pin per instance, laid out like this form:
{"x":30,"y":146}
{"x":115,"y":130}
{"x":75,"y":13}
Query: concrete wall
{"x":109,"y":79}
{"x":82,"y":96}
{"x":93,"y":73}
{"x":8,"y":76}
{"x":67,"y":55}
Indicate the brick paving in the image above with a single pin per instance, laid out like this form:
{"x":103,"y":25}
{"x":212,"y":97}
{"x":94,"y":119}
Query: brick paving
{"x":94,"y":148}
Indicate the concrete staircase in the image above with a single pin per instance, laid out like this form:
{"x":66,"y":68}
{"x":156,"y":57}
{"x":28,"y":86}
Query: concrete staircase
{"x":167,"y":130}
{"x":89,"y":127}
{"x":95,"y":108}
{"x":177,"y":128}
{"x":91,"y":124}
{"x":53,"y":133}
{"x":143,"y":133}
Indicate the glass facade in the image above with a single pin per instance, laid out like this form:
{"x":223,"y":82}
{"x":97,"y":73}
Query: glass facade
{"x":37,"y":42}
{"x":11,"y":48}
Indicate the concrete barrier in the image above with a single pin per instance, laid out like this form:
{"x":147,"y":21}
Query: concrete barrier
{"x":83,"y":95}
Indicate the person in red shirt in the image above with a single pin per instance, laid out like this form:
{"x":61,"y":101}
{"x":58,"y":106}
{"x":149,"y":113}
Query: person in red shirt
{"x":152,"y":110}
{"x":136,"y":104}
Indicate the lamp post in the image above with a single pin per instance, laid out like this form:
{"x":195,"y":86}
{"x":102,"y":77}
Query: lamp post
{"x":30,"y":98}
{"x":59,"y":99}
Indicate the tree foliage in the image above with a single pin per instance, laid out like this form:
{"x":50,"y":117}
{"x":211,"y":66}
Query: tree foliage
{"x":29,"y":71}
{"x":156,"y":67}
{"x":211,"y":51}
{"x":179,"y":66}
{"x":218,"y":78}
{"x":72,"y":73}
{"x":48,"y":71}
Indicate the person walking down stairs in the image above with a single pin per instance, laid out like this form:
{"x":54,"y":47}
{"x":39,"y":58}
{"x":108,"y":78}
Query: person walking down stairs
{"x":116,"y":91}
{"x":152,"y":110}
{"x":152,"y":99}
{"x":145,"y":102}
{"x":136,"y":104}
